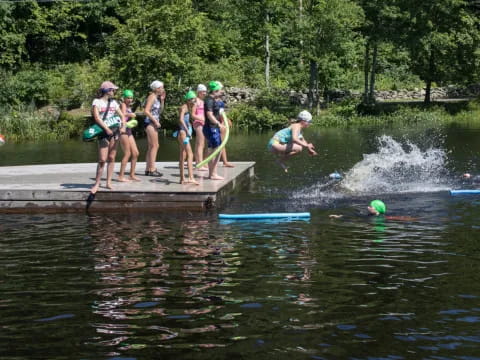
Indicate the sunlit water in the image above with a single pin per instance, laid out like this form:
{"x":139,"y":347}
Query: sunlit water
{"x":187,"y":286}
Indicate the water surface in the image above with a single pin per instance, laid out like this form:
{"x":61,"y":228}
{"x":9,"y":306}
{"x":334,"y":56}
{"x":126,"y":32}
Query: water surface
{"x":188,"y":286}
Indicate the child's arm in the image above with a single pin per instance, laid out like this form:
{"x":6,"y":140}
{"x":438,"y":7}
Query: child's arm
{"x":301,"y":141}
{"x":128,"y":115}
{"x":124,"y":120}
{"x":99,"y":121}
{"x":182,"y":111}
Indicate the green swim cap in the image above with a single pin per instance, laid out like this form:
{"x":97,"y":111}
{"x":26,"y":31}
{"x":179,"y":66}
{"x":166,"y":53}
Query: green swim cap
{"x":127,"y":93}
{"x":190,"y":95}
{"x":379,"y":206}
{"x":215,"y":85}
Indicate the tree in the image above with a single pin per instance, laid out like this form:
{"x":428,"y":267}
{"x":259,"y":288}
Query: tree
{"x":443,"y":39}
{"x":327,"y":31}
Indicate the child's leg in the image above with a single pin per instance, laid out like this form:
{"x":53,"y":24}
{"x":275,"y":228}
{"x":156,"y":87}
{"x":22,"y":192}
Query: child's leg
{"x":102,"y":158}
{"x":133,"y":162}
{"x":223,"y":133}
{"x":152,"y":140}
{"x":112,"y":153}
{"x":199,"y":146}
{"x":212,"y":167}
{"x":189,"y":152}
{"x":125,"y":144}
{"x":181,"y":160}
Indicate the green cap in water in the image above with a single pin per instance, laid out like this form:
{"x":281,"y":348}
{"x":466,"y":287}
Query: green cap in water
{"x":379,"y":206}
{"x":127,"y":93}
{"x":190,"y":95}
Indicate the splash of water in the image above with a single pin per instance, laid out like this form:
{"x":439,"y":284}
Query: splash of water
{"x":398,"y":168}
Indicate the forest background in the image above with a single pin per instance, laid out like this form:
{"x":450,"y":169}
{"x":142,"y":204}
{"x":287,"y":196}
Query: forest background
{"x":56,"y":53}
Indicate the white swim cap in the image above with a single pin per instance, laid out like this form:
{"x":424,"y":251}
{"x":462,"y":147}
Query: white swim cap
{"x":201,"y":87}
{"x":156,"y":84}
{"x":304,"y":116}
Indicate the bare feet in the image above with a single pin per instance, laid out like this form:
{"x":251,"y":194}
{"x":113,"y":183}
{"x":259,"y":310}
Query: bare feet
{"x":227,"y":164}
{"x":109,"y":186}
{"x":203,"y":168}
{"x":94,"y":189}
{"x":282,"y":165}
{"x":215,"y":177}
{"x":122,"y":179}
{"x":193,"y":181}
{"x":134,"y":178}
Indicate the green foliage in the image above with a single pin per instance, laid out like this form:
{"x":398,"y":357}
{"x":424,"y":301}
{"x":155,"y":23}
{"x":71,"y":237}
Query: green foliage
{"x":251,"y":118}
{"x":23,"y":124}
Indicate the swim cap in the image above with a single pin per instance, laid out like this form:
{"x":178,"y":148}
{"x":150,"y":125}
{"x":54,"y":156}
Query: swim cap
{"x":379,"y":206}
{"x":107,"y":85}
{"x":156,"y":84}
{"x":190,"y":95}
{"x":127,"y":93}
{"x":304,"y":116}
{"x":215,"y":85}
{"x":201,"y":87}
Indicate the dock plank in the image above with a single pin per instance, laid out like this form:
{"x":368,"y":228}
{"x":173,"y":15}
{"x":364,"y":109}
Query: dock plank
{"x":65,"y":187}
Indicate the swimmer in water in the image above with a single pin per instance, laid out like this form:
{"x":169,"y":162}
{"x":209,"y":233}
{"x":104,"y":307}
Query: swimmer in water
{"x":378,"y":208}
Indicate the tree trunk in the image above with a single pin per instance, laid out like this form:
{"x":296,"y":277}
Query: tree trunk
{"x":313,"y":84}
{"x":267,"y":54}
{"x":366,"y":70}
{"x":371,"y":94}
{"x":428,"y":82}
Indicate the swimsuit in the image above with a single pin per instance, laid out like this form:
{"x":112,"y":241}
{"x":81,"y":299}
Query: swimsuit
{"x":186,"y":120}
{"x":199,"y":112}
{"x":282,"y":137}
{"x":155,"y":111}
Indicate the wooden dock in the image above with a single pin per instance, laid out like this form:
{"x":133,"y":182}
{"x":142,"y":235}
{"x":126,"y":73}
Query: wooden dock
{"x":66,"y":188}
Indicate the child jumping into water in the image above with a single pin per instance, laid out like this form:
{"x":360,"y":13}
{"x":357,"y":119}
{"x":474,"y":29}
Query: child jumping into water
{"x":105,"y":107}
{"x":184,"y":135}
{"x":127,"y":140}
{"x":290,"y":141}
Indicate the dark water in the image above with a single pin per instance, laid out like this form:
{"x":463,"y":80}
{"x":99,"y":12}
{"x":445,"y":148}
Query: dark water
{"x":187,"y":286}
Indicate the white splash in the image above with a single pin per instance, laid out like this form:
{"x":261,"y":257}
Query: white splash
{"x":398,"y":168}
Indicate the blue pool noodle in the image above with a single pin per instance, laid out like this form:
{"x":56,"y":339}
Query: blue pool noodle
{"x":264,"y":216}
{"x":465,"y":192}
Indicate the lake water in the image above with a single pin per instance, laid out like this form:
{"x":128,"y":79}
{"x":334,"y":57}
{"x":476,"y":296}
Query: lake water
{"x":188,"y":286}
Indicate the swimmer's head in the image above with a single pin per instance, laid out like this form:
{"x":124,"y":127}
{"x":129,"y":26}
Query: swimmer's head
{"x":466,"y":176}
{"x":377,"y":207}
{"x":304,"y":116}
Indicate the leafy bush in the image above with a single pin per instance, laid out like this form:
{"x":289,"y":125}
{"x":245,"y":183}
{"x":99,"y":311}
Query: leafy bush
{"x":248,"y":117}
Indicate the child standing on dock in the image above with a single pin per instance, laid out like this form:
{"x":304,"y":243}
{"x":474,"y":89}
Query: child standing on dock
{"x":213,"y":126}
{"x":105,"y":107}
{"x":127,"y":140}
{"x":198,"y":115}
{"x":289,"y":141}
{"x":153,"y":110}
{"x":223,"y":132}
{"x":184,"y":135}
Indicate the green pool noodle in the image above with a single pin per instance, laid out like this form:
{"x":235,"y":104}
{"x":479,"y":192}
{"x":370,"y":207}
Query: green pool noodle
{"x":96,"y":130}
{"x":222,"y":145}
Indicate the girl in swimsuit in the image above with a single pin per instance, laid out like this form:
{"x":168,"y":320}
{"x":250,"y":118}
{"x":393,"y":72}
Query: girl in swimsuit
{"x":103,"y":108}
{"x":290,"y":141}
{"x":184,"y":134}
{"x":127,"y":140}
{"x":153,"y":109}
{"x":198,"y":115}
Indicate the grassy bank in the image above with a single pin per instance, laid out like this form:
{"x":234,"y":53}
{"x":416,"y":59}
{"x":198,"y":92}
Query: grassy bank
{"x":20,"y":124}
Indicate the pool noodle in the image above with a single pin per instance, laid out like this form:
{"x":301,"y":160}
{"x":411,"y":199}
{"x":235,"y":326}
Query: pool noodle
{"x":222,"y":145}
{"x":264,"y":216}
{"x":465,"y":192}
